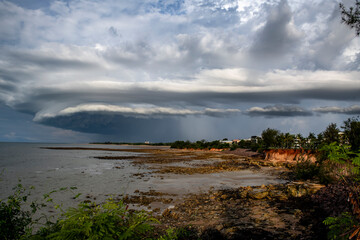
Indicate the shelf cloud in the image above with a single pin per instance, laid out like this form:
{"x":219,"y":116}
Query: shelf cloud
{"x":352,"y":110}
{"x":278,"y":111}
{"x":75,"y":64}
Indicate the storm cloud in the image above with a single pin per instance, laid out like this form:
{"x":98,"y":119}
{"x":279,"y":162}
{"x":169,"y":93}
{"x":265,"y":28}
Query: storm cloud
{"x":278,"y":111}
{"x":123,"y":69}
{"x":352,"y":110}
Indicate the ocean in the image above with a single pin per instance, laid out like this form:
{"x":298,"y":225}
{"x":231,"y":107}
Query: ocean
{"x":47,"y":170}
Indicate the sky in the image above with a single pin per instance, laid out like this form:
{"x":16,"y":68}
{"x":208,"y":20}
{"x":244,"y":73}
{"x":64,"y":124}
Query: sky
{"x":159,"y":71}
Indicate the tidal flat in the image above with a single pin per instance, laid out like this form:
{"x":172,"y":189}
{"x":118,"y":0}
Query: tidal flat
{"x":215,"y":193}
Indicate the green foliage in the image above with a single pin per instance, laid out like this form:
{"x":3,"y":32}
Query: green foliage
{"x":269,"y":137}
{"x":335,"y":152}
{"x":340,"y":227}
{"x":305,"y":169}
{"x":331,"y":134}
{"x":106,"y":221}
{"x":178,"y":233}
{"x":246,"y":144}
{"x":342,"y":154}
{"x":352,"y":133}
{"x":109,"y":220}
{"x":15,"y":222}
{"x":326,"y":173}
{"x":199,"y":145}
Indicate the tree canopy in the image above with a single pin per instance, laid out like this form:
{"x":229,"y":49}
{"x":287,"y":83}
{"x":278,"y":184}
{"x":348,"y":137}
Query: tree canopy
{"x":352,"y":132}
{"x":331,"y":134}
{"x":351,"y":16}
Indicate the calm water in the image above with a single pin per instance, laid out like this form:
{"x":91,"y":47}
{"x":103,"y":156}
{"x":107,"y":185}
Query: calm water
{"x":48,"y":170}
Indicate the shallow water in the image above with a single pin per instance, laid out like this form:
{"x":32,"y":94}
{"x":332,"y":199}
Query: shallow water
{"x":49,"y":169}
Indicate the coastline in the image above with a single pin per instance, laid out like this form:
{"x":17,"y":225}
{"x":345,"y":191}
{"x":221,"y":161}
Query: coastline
{"x":220,"y":192}
{"x":264,"y":210}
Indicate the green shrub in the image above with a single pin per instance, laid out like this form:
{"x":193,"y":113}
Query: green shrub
{"x":15,"y":222}
{"x":109,"y":220}
{"x":106,"y":221}
{"x":341,"y":227}
{"x":327,"y":172}
{"x":305,"y":169}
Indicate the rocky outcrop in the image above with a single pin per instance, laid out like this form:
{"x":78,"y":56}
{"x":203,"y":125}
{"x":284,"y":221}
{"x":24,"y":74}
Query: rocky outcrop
{"x":289,"y":155}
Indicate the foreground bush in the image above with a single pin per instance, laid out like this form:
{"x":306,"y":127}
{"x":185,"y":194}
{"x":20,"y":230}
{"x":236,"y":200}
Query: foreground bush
{"x":16,"y":223}
{"x":305,"y":169}
{"x":106,"y":221}
{"x":109,"y":220}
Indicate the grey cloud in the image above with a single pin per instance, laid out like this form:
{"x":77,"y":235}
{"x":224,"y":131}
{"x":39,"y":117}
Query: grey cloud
{"x":43,"y":97}
{"x":213,"y":15}
{"x":352,"y":110}
{"x":354,"y":65}
{"x":48,"y":61}
{"x":124,"y":128}
{"x":279,"y":35}
{"x":278,"y":111}
{"x":187,"y":55}
{"x":331,"y":45}
{"x":135,"y":111}
{"x":327,"y":39}
{"x":113,"y":32}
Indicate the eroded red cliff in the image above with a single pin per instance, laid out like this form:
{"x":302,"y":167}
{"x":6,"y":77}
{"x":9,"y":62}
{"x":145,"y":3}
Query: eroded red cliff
{"x":289,"y":155}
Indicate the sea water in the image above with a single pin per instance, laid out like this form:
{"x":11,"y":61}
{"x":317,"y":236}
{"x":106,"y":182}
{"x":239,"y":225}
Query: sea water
{"x":48,"y":170}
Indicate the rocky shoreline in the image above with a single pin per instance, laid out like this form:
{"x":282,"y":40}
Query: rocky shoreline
{"x":272,"y":211}
{"x":281,"y":211}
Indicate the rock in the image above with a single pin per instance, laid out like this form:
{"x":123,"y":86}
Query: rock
{"x":224,"y":196}
{"x":298,"y":213}
{"x":166,"y":213}
{"x":296,"y":190}
{"x":259,"y":195}
{"x":170,"y":214}
{"x":314,"y":187}
{"x":243,"y":193}
{"x":219,"y":227}
{"x":230,"y":231}
{"x":278,"y":195}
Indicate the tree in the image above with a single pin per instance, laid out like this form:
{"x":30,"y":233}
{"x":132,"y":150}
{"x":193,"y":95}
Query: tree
{"x":289,"y":140}
{"x":331,"y":134}
{"x":311,"y":141}
{"x":320,"y":138}
{"x":269,"y":137}
{"x":352,"y":133}
{"x":351,"y":16}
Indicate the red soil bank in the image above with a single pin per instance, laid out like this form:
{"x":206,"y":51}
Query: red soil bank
{"x":289,"y":155}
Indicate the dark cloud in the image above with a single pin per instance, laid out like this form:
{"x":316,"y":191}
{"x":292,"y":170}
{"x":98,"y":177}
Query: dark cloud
{"x":352,"y":110}
{"x":278,"y":111}
{"x":279,"y":35}
{"x":19,"y":127}
{"x":45,"y":98}
{"x":124,"y":128}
